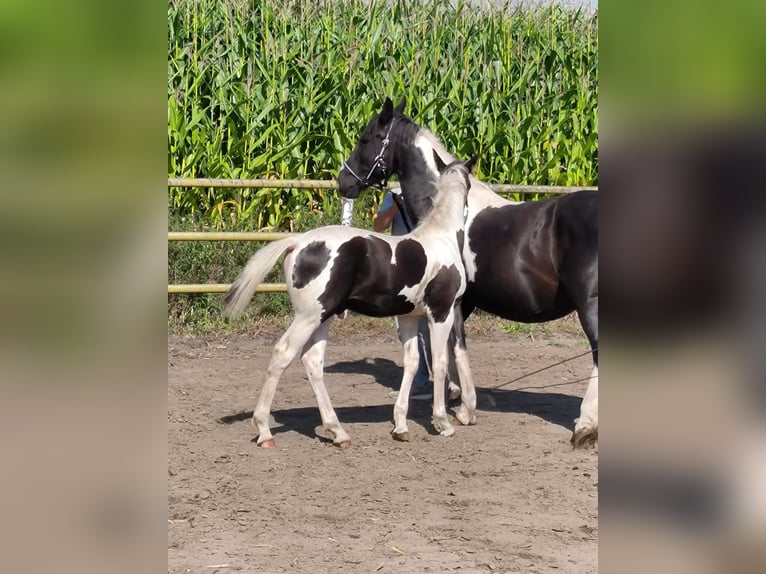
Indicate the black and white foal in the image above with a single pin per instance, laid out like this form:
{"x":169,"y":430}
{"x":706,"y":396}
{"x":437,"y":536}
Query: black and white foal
{"x":334,"y":268}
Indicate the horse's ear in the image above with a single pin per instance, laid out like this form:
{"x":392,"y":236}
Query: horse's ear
{"x":471,"y":163}
{"x":388,"y":111}
{"x":440,"y":165}
{"x":400,"y":108}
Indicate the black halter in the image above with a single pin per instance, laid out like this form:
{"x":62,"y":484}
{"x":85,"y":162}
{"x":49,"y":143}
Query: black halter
{"x":378,"y":162}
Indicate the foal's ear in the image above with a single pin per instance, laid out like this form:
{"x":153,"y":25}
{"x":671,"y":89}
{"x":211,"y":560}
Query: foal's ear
{"x":440,"y":165}
{"x":388,"y":111}
{"x":400,"y":108}
{"x":471,"y":163}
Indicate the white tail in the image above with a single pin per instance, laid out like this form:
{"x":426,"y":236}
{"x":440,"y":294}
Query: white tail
{"x":244,"y":286}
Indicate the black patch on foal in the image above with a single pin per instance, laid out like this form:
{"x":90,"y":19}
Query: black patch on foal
{"x":410,"y":262}
{"x":309,"y":263}
{"x":460,"y":240}
{"x":363,"y":279}
{"x":440,"y":292}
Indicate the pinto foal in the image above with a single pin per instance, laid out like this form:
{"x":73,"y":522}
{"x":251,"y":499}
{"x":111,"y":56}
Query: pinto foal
{"x":334,"y":268}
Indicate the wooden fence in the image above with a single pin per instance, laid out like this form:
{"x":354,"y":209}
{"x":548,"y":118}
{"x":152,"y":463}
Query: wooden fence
{"x":296,"y":184}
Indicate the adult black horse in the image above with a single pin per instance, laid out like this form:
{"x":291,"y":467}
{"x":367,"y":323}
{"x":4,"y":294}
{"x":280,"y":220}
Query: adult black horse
{"x":529,"y":262}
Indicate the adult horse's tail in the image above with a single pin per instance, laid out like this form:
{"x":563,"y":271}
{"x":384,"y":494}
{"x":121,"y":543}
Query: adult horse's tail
{"x":244,"y":286}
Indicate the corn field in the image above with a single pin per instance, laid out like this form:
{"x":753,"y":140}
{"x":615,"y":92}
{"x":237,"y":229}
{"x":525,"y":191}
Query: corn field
{"x":267,"y":89}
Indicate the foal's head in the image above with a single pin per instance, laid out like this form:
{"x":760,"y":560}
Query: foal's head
{"x":454,"y":170}
{"x":452,"y":199}
{"x":370,"y":162}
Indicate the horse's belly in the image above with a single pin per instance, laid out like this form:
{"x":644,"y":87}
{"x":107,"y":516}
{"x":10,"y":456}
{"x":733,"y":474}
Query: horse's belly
{"x":383,"y":305}
{"x":519,"y":305}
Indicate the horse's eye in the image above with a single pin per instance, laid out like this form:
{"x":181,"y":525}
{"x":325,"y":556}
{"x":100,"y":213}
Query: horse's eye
{"x":364,"y":141}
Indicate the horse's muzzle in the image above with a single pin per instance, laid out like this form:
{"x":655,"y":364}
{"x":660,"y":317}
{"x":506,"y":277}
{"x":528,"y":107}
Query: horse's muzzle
{"x":348,"y":186}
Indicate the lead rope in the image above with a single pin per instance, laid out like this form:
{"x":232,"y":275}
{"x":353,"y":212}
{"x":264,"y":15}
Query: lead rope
{"x":550,"y":367}
{"x":403,"y":210}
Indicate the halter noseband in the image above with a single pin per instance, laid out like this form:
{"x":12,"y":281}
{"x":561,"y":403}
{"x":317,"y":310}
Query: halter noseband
{"x":378,"y":162}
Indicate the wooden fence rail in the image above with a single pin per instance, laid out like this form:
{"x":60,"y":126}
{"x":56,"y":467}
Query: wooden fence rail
{"x":332,"y":184}
{"x":274,"y":236}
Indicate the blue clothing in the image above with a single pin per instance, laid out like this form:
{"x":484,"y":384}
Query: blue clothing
{"x":421,"y":382}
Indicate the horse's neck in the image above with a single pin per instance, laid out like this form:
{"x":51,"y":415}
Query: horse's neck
{"x":417,"y":173}
{"x":419,"y":178}
{"x":419,"y":189}
{"x":448,"y":213}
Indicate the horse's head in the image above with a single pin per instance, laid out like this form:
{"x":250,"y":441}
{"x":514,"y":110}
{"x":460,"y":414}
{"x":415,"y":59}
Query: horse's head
{"x":456,"y":171}
{"x":451,"y":203}
{"x":370,"y":162}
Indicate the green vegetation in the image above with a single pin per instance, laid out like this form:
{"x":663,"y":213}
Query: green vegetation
{"x":261,"y":89}
{"x":282,"y":90}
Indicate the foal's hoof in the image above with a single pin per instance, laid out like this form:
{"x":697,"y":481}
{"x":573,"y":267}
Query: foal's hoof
{"x":584,"y":437}
{"x":343,"y":444}
{"x":268,"y":443}
{"x":401,"y":436}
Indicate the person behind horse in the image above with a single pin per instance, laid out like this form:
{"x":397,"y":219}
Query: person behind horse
{"x":389,"y":216}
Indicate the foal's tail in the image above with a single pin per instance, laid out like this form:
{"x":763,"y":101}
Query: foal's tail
{"x":244,"y":286}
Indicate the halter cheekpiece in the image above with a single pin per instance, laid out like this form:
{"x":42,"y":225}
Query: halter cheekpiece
{"x":377,"y":163}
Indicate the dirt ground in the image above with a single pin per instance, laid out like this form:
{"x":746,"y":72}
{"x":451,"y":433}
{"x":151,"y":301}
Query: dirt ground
{"x":506,"y":495}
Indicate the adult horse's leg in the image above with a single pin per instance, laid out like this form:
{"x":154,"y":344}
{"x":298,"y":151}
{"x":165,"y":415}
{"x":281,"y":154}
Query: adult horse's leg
{"x":453,"y":373}
{"x":586,"y":425}
{"x":284,"y":352}
{"x":466,"y":411}
{"x":313,"y":361}
{"x":439,"y":338}
{"x":453,"y":390}
{"x":586,"y":300}
{"x":457,"y":337}
{"x":408,"y":335}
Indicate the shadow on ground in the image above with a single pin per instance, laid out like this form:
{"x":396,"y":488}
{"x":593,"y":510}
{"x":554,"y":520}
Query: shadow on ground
{"x":557,"y":408}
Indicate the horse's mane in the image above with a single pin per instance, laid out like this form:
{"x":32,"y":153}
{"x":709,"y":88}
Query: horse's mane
{"x":446,"y":156}
{"x":477,"y":186}
{"x":447,"y":212}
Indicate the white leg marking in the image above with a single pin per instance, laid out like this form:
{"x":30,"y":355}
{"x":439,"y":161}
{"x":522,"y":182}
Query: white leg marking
{"x":466,"y":412}
{"x":408,"y":335}
{"x":587,"y":423}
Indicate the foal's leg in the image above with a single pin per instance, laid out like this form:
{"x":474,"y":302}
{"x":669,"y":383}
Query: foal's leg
{"x":586,"y":426}
{"x":466,"y":411}
{"x":408,"y":335}
{"x":439,"y":337}
{"x":313,"y":361}
{"x":284,"y":352}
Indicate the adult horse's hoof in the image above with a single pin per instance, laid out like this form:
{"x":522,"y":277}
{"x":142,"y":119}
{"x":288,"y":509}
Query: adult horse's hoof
{"x":343,"y":444}
{"x":268,"y":443}
{"x":453,"y":391}
{"x":463,"y":418}
{"x":401,"y":436}
{"x":584,"y":437}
